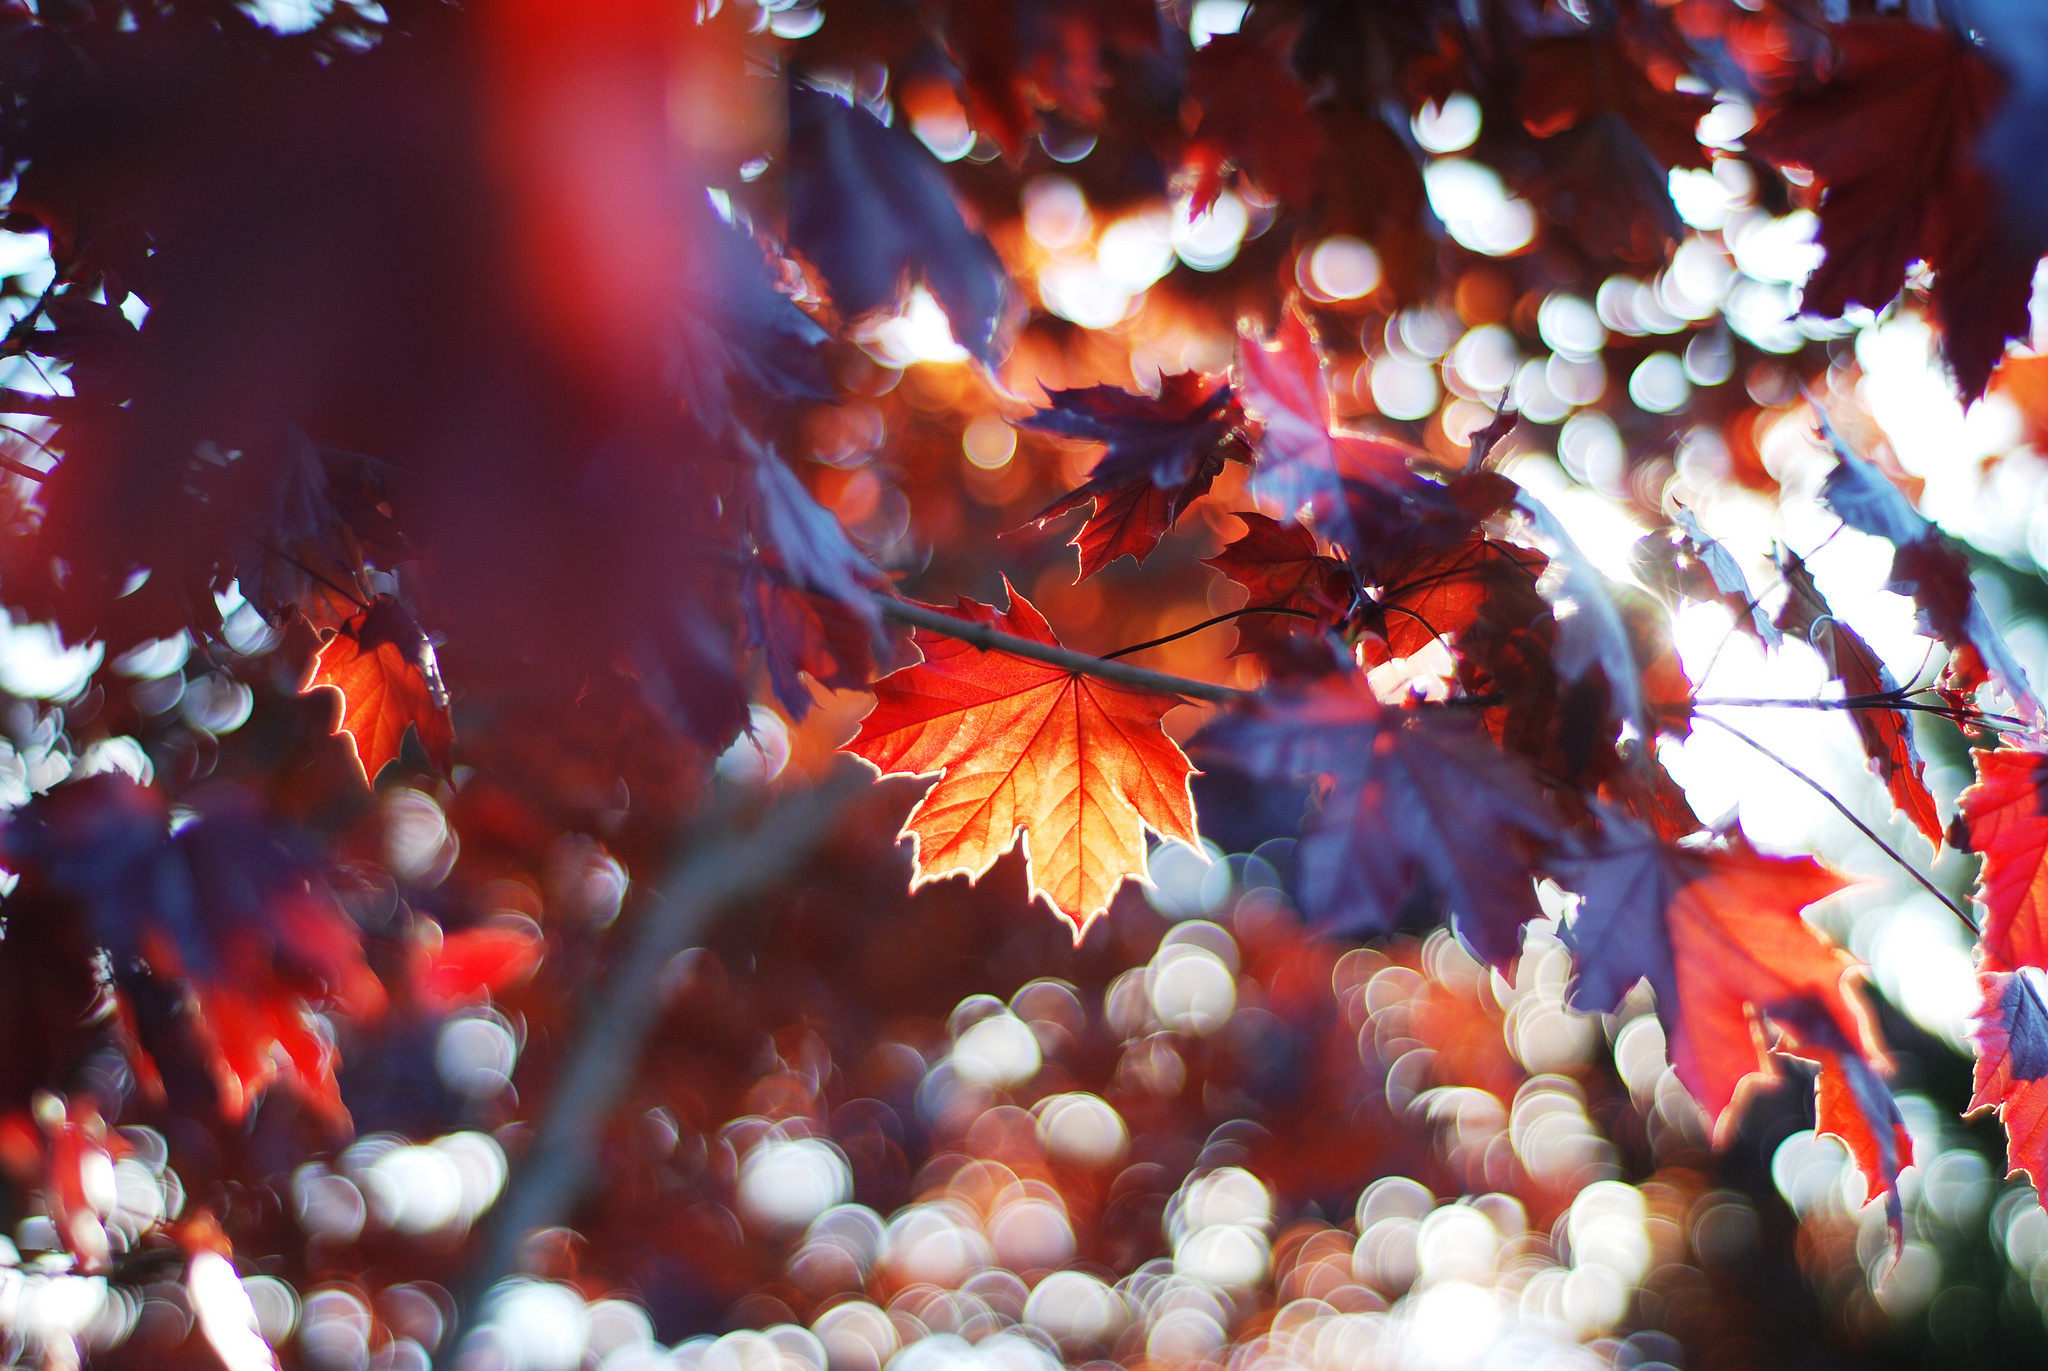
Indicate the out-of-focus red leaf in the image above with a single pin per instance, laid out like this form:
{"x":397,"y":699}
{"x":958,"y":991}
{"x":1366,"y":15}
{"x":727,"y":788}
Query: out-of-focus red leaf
{"x":1567,"y":81}
{"x":383,"y":667}
{"x":1891,"y":135}
{"x":1018,"y":57}
{"x":226,"y":910}
{"x":1254,"y":114}
{"x":469,"y":964}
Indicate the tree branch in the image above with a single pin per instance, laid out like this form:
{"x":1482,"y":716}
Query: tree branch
{"x":728,"y":863}
{"x":51,"y":406}
{"x":994,"y":640}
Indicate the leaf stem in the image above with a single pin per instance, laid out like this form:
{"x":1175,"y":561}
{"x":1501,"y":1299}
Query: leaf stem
{"x":1207,"y":623}
{"x":994,"y":640}
{"x":1936,"y":891}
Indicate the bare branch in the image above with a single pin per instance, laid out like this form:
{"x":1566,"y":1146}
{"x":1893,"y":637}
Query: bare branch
{"x":729,"y":862}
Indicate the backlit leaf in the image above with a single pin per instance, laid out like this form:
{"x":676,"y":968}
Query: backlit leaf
{"x":1082,"y":767}
{"x":383,"y":667}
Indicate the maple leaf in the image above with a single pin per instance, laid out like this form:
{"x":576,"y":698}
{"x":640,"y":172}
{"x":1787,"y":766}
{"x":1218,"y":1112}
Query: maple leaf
{"x":1924,"y":566}
{"x":1020,"y":57}
{"x":1476,"y":586}
{"x":868,"y":204}
{"x":1853,"y":1103}
{"x":1610,"y":137}
{"x":1592,"y":629}
{"x":737,"y":334}
{"x":1303,"y":463}
{"x":1567,"y":81}
{"x":1163,"y":455}
{"x":1082,"y":766}
{"x":1255,"y":114}
{"x":1685,"y":563}
{"x":2004,"y":816}
{"x":1886,"y":734}
{"x":467,"y":965}
{"x":225,"y":906}
{"x":1280,"y":567}
{"x":1717,"y":933}
{"x":1891,"y":135}
{"x":809,"y":600}
{"x":1641,"y":788}
{"x":383,"y":667}
{"x":2011,"y":1036}
{"x":1413,"y":798}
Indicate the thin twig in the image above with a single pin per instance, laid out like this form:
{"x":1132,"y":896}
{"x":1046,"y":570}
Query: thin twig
{"x":994,"y":640}
{"x":728,"y":864}
{"x":1887,"y":700}
{"x":1207,"y":623}
{"x":1867,"y":831}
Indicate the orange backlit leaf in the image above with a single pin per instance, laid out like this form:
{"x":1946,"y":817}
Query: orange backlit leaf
{"x":2004,"y":816}
{"x":1852,"y":1102}
{"x":1082,"y":766}
{"x":383,"y":667}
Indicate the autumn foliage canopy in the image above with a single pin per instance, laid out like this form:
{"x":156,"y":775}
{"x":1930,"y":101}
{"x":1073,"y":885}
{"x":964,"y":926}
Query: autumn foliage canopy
{"x":655,"y":649}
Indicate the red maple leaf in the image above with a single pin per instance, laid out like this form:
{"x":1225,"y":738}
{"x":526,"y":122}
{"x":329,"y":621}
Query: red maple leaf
{"x":1851,"y":1102}
{"x":1302,"y":460}
{"x":1413,"y":800}
{"x":1718,"y":935}
{"x":1280,"y":567}
{"x":1163,"y":455}
{"x":1080,"y":765}
{"x":383,"y":667}
{"x":1887,"y":737}
{"x":2012,"y":1067}
{"x":1476,"y":586}
{"x":2004,"y":816}
{"x":467,"y":965}
{"x":1254,"y":114}
{"x":1891,"y":135}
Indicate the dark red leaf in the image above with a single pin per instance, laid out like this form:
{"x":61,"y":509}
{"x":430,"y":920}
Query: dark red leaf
{"x":1891,"y":135}
{"x":1254,"y":114}
{"x":1163,"y":455}
{"x":1414,"y":802}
